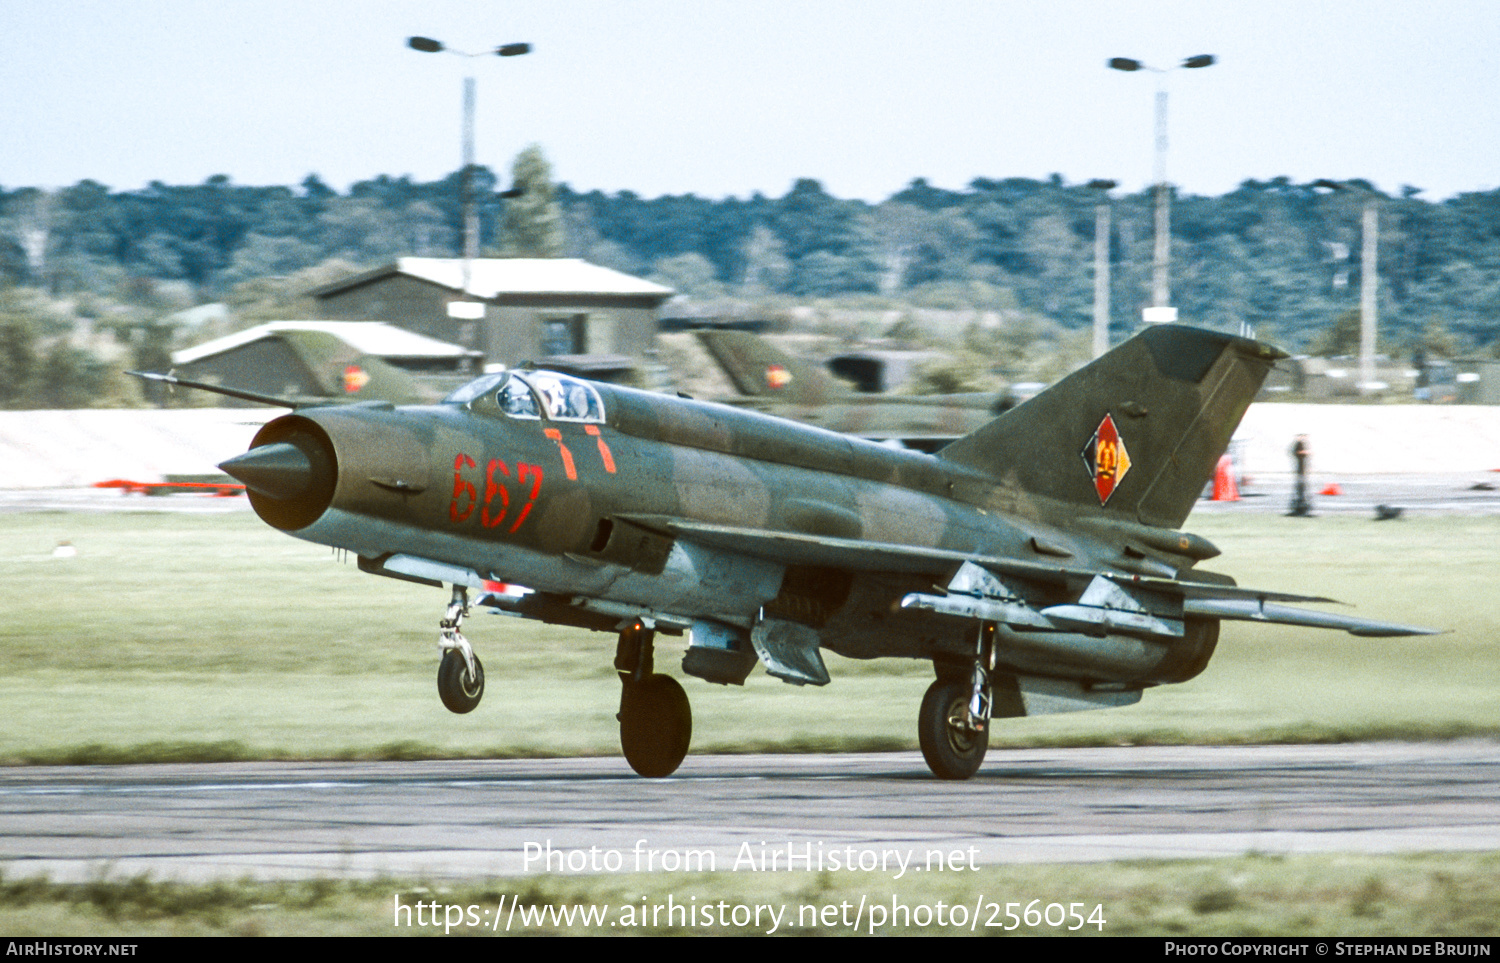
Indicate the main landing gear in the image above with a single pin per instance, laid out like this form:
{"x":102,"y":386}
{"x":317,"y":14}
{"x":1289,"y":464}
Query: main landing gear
{"x":460,"y":674}
{"x":656,"y":721}
{"x":953,"y":725}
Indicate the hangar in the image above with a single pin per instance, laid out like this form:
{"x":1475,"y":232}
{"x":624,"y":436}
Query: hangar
{"x":556,"y":311}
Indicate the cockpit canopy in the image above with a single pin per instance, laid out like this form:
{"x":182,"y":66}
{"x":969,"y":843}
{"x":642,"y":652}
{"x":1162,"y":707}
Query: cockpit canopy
{"x":531,"y":394}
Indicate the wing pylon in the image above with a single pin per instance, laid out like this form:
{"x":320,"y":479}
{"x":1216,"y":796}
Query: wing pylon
{"x":1129,"y":605}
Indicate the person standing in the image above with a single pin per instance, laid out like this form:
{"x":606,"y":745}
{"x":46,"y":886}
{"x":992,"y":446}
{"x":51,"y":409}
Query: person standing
{"x":1301,"y":453}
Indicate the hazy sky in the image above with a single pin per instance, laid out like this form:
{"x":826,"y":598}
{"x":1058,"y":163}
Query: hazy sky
{"x":727,"y":97}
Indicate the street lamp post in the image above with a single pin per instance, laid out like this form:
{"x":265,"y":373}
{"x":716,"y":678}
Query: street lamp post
{"x":1161,"y":294}
{"x":1368,"y":279}
{"x":471,"y":214}
{"x":1101,"y":265}
{"x":1370,"y":227}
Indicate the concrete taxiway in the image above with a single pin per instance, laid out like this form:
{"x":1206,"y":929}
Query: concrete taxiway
{"x":1437,"y":493}
{"x":515,"y":817}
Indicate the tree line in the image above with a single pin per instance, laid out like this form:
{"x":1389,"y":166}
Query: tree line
{"x":1276,"y":257}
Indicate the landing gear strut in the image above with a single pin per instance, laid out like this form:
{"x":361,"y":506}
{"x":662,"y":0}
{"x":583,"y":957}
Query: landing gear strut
{"x":656,"y":721}
{"x":460,"y":674}
{"x":953,"y":726}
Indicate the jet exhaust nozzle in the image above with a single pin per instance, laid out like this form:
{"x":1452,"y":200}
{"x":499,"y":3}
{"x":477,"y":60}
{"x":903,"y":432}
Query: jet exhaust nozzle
{"x":280,"y":470}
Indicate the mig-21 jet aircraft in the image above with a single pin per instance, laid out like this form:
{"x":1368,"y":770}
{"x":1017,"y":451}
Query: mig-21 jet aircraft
{"x":769,"y":380}
{"x":1038,"y":562}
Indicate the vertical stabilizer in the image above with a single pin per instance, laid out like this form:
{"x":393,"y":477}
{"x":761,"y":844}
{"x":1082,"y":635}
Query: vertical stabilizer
{"x":1135,"y":434}
{"x":760,"y":369}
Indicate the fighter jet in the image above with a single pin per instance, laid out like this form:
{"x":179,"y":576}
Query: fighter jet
{"x":1037,"y":563}
{"x":767,"y":379}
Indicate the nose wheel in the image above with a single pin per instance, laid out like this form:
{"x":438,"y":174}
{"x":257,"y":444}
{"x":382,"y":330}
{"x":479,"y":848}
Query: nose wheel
{"x":656,"y":719}
{"x":460,"y":675}
{"x":460,"y":687}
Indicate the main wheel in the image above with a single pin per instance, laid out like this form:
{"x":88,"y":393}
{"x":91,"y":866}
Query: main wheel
{"x":951,"y":748}
{"x":460,"y":691}
{"x":656,"y":725}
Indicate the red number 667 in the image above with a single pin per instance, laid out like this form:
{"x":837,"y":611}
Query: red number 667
{"x":491,"y":514}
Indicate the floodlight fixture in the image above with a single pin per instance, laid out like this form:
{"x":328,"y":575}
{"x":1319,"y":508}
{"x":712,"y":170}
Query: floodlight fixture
{"x":1162,"y":254}
{"x":471,"y":216}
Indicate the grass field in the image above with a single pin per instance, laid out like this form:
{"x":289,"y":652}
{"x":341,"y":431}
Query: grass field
{"x":178,"y":637}
{"x":1446,"y":895}
{"x":182,"y":637}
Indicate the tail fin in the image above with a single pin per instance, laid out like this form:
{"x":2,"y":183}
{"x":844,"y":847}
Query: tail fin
{"x":759,"y":368}
{"x":1135,"y":434}
{"x":344,"y":373}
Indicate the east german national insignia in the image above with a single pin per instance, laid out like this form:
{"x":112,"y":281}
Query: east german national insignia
{"x":1106,"y":458}
{"x":355,"y":378}
{"x":777,"y":376}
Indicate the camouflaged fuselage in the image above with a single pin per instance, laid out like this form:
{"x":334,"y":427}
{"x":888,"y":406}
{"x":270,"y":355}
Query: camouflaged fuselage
{"x":579,"y":510}
{"x":1038,"y":557}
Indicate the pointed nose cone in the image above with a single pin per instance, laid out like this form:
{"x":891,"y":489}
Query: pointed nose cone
{"x":279,"y":471}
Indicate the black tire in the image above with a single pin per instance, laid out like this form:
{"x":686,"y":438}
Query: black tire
{"x":459,"y":692}
{"x":951,"y":751}
{"x":656,"y":725}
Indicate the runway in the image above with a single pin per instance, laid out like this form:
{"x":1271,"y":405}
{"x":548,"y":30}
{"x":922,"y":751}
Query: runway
{"x":463,"y":819}
{"x":1436,"y":493}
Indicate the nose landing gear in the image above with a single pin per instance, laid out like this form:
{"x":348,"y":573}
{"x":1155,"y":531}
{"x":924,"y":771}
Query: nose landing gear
{"x":460,"y":675}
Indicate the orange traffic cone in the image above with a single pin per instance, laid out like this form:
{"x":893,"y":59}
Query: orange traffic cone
{"x":1225,"y":490}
